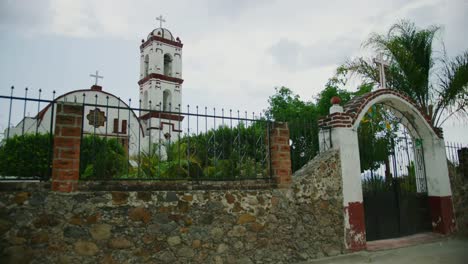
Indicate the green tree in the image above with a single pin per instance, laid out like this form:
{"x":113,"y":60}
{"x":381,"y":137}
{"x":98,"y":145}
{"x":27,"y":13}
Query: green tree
{"x":285,"y":106}
{"x":437,"y":85}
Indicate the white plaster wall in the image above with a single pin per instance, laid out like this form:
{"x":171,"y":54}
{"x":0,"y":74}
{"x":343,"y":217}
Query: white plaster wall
{"x":156,"y":51}
{"x":435,"y":160}
{"x":438,"y":183}
{"x":419,"y":123}
{"x":346,"y":141}
{"x":135,"y":133}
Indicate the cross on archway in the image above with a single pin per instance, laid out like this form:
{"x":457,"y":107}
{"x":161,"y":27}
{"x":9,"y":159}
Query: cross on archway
{"x":96,"y":76}
{"x":382,"y":62}
{"x":161,"y":20}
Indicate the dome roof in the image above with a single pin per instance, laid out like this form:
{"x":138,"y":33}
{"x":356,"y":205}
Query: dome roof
{"x":161,"y":32}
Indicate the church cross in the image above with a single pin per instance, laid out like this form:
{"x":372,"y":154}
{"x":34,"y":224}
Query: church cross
{"x":382,"y":62}
{"x":96,"y":76}
{"x":161,"y":20}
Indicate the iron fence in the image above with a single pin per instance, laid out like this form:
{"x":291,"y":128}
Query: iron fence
{"x":453,"y":151}
{"x":157,"y":142}
{"x":304,"y":142}
{"x":26,"y":148}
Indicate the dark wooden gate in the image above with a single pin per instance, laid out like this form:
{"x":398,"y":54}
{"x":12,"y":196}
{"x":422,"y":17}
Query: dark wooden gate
{"x":393,"y":180}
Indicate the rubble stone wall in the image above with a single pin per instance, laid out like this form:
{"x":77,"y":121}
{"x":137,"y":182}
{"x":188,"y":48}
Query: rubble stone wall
{"x":242,"y":225}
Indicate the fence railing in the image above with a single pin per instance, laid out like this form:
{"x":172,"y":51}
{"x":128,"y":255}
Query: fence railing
{"x":26,"y":149}
{"x":452,"y":150}
{"x":122,"y":142}
{"x":304,"y":142}
{"x":162,"y":144}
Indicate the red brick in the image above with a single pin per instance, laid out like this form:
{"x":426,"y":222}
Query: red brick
{"x":64,"y":186}
{"x":71,"y":131}
{"x":72,"y":174}
{"x":283,"y":133}
{"x":66,"y":142}
{"x":285,"y":148}
{"x":71,"y":153}
{"x":65,"y":120}
{"x":65,"y":164}
{"x":280,"y":140}
{"x":72,"y":109}
{"x":78,"y":121}
{"x":277,"y":125}
{"x":274,"y":148}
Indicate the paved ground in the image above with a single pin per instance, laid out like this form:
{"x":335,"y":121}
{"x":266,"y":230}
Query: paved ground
{"x":447,"y":251}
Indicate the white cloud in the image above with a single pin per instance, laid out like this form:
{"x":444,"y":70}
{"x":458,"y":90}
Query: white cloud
{"x":235,"y":52}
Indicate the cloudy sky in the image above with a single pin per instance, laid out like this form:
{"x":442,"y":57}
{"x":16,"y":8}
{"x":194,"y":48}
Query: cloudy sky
{"x":235,"y":51}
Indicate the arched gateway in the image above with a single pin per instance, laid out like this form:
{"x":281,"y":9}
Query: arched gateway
{"x":340,"y":128}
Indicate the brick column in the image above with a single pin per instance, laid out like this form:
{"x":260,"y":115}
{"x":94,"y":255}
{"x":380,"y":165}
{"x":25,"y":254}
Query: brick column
{"x":67,"y":139}
{"x":280,"y":154}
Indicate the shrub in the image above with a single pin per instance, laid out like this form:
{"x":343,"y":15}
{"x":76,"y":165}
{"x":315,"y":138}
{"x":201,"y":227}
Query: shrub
{"x":26,"y":156}
{"x":102,"y":158}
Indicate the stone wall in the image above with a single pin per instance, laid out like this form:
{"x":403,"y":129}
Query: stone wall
{"x":242,"y":225}
{"x":460,"y":199}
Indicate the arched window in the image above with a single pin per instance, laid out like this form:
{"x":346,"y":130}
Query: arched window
{"x":167,"y":100}
{"x":146,"y":65}
{"x":167,"y":64}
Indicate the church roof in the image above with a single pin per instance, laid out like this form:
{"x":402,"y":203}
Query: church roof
{"x":161,"y":32}
{"x":78,"y":97}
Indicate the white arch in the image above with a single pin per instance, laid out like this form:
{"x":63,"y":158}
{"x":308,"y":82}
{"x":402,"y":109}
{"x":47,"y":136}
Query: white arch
{"x":415,"y":120}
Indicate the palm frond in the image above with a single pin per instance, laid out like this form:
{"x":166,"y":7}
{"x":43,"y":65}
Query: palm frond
{"x":453,"y":92}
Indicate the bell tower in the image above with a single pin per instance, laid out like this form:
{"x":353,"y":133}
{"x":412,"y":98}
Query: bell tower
{"x":161,"y":83}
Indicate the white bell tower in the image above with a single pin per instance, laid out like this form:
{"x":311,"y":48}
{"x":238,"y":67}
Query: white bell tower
{"x":161,"y":84}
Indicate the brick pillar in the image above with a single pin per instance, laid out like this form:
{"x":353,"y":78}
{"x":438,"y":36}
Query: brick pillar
{"x":280,"y":154}
{"x":67,"y":139}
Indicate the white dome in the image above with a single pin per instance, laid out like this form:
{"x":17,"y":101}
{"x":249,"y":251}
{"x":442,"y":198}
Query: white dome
{"x":161,"y":32}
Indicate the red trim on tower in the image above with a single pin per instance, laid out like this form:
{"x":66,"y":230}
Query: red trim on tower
{"x":162,"y":115}
{"x":166,"y":123}
{"x":163,"y":40}
{"x":161,"y":77}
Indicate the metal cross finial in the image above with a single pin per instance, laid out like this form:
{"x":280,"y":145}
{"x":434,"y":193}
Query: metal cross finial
{"x":96,"y":76}
{"x":161,"y":20}
{"x":382,"y":62}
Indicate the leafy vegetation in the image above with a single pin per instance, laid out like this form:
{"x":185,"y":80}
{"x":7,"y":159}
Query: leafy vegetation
{"x":438,"y":85}
{"x":222,"y":153}
{"x":102,"y":158}
{"x":27,"y":156}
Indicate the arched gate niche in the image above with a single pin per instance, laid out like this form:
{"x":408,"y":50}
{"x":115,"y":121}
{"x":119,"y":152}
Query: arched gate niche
{"x":344,"y":123}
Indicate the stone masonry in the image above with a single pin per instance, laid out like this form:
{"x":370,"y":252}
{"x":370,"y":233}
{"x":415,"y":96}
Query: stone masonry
{"x":266,"y":225}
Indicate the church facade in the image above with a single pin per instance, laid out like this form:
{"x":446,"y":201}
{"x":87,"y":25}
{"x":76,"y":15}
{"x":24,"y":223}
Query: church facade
{"x":106,"y":115}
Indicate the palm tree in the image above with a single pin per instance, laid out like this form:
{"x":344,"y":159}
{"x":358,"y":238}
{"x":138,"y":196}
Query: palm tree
{"x":439,"y":86}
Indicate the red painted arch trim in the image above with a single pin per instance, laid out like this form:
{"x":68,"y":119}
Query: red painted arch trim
{"x":162,"y":115}
{"x":355,"y":106}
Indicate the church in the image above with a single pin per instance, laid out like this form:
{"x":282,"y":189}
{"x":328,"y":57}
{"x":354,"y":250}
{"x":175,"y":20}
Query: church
{"x":106,"y":115}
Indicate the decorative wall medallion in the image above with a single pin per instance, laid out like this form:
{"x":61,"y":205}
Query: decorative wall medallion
{"x":96,"y":117}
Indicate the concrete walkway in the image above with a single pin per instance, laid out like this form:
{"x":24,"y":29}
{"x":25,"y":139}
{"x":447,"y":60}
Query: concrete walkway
{"x":447,"y":251}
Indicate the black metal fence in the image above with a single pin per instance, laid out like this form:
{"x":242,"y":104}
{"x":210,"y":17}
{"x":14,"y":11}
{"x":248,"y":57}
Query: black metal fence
{"x":304,"y":142}
{"x":453,"y":151}
{"x":121,"y":142}
{"x":26,"y":141}
{"x":457,"y":156}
